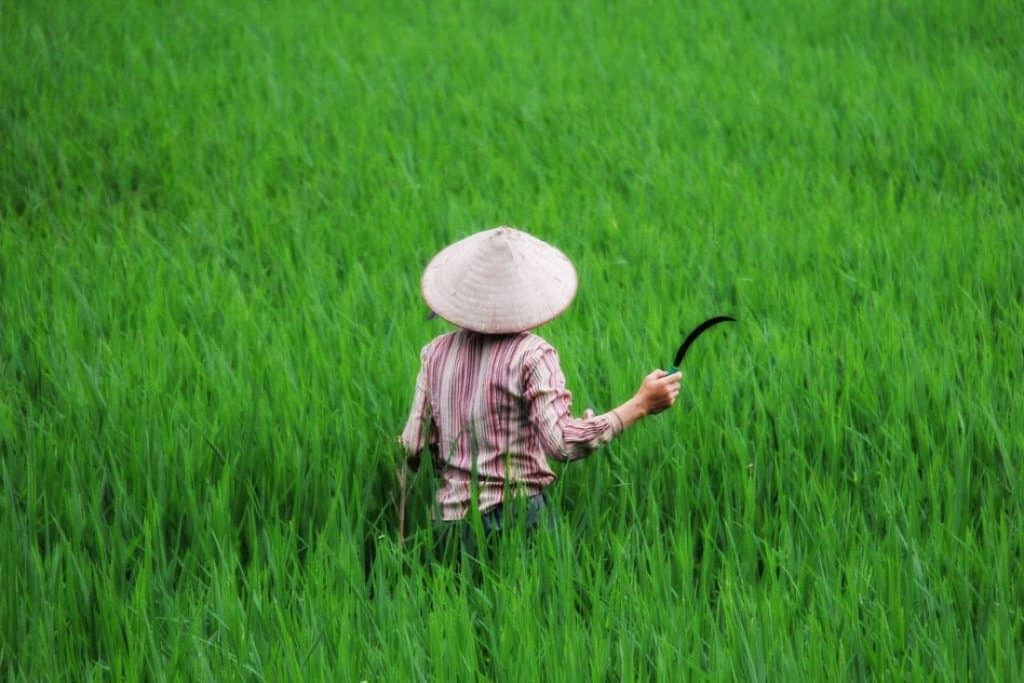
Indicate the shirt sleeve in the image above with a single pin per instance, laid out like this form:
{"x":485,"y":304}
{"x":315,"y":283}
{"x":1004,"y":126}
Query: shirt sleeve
{"x":562,"y":436}
{"x":420,"y":430}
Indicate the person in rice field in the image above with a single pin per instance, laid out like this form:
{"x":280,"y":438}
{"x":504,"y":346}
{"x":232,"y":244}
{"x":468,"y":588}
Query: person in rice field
{"x":490,"y":402}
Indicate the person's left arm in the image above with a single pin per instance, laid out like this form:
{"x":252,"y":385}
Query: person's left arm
{"x":420,"y":430}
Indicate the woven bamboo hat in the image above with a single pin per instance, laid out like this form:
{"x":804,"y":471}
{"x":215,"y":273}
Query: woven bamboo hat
{"x":499,"y":281}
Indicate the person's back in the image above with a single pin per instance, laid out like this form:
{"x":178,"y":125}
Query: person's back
{"x":498,"y":407}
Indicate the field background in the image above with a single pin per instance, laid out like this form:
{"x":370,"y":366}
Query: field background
{"x":213,"y":219}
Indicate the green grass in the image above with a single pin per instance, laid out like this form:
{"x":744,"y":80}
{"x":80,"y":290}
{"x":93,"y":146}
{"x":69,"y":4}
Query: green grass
{"x":213,"y":219}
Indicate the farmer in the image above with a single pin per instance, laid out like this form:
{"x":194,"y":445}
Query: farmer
{"x":490,"y":401}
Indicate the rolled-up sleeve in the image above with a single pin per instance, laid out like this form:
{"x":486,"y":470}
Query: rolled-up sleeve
{"x":420,"y":430}
{"x":562,"y":436}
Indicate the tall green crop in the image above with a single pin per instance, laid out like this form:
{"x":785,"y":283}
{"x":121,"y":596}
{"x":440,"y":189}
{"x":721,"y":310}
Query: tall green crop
{"x":213,"y":218}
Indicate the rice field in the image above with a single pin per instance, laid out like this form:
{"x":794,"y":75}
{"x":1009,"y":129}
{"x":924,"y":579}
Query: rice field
{"x":213,"y":220}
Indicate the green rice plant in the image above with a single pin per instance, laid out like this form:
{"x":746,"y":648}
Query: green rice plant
{"x":213,"y":219}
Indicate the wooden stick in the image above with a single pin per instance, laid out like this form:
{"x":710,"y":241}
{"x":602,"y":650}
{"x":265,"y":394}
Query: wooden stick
{"x":403,"y":477}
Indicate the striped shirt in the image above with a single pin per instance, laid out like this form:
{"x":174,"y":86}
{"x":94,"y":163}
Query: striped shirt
{"x":495,"y":407}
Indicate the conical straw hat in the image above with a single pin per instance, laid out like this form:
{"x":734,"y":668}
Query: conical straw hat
{"x":499,"y":281}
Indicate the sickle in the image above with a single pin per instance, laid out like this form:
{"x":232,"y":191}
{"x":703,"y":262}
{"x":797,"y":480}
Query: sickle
{"x":690,"y":338}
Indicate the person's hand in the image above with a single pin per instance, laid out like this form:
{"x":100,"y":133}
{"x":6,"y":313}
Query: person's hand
{"x":658,"y":391}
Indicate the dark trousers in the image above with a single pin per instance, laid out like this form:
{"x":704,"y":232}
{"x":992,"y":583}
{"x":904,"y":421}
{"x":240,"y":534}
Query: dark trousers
{"x":533,"y":514}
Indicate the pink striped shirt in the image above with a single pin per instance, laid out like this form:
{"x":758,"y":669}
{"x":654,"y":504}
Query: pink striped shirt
{"x":496,"y":404}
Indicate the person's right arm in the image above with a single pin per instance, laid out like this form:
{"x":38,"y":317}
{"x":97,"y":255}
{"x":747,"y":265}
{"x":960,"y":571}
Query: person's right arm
{"x":657,"y":392}
{"x":567,"y":438}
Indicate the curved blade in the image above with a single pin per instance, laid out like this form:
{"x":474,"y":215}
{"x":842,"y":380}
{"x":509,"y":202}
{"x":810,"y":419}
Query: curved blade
{"x":697,"y":331}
